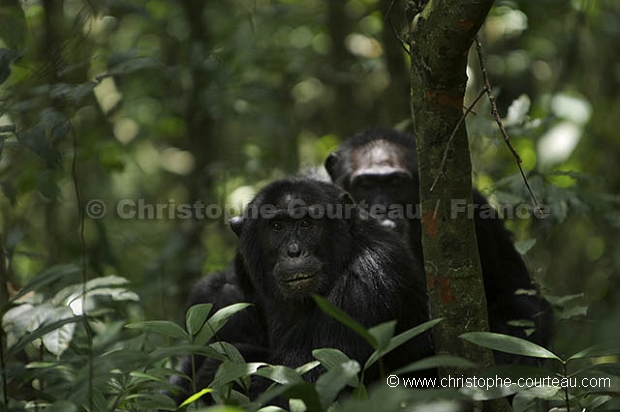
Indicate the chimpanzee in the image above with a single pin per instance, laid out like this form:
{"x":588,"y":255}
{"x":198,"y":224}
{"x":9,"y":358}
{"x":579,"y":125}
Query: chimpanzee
{"x":378,"y":167}
{"x":300,"y":237}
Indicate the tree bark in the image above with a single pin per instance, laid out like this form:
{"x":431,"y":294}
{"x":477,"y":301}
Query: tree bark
{"x":441,"y":34}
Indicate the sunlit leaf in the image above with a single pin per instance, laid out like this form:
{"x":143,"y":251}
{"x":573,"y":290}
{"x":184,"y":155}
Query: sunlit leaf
{"x":509,"y":344}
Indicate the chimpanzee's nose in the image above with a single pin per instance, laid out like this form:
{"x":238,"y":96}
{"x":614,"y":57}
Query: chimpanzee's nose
{"x":293,"y":250}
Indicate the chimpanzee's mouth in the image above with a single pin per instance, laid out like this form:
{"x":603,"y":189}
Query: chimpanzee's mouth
{"x":298,"y":278}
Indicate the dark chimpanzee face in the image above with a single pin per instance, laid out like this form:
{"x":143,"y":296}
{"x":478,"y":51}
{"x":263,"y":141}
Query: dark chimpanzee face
{"x":377,"y":174}
{"x":292,"y":246}
{"x":291,"y":243}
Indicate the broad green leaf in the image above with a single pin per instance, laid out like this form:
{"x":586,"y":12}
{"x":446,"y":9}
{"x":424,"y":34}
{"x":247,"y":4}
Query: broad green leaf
{"x":438,"y":361}
{"x":333,"y":359}
{"x":383,"y":333}
{"x":40,"y":332}
{"x":603,"y":349}
{"x":57,"y":341}
{"x":196,"y":317}
{"x":110,"y":285}
{"x":280,"y":374}
{"x":509,"y":344}
{"x":229,"y":351}
{"x":329,"y":385}
{"x":330,"y":358}
{"x":229,"y":372}
{"x":215,"y":322}
{"x":345,"y":319}
{"x":400,"y":339}
{"x":163,"y":327}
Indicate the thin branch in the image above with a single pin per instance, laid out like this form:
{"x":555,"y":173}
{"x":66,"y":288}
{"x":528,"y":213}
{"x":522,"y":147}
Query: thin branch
{"x":498,"y":120}
{"x":453,"y":135}
{"x":84,"y":269}
{"x":389,"y":11}
{"x":402,"y":41}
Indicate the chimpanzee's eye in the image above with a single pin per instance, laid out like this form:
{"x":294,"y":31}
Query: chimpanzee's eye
{"x":276,"y":225}
{"x":305,"y":223}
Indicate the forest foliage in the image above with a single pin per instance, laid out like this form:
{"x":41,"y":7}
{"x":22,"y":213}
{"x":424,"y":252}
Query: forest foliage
{"x":130,"y":131}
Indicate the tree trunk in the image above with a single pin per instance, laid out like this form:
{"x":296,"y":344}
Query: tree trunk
{"x":440,"y":38}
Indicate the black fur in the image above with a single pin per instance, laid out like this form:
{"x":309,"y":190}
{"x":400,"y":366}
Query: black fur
{"x":379,"y":167}
{"x":348,"y":259}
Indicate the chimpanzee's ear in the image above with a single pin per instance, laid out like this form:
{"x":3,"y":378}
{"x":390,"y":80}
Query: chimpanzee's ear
{"x":332,"y":164}
{"x":236,"y":224}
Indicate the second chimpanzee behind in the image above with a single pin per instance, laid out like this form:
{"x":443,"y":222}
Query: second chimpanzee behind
{"x":379,"y":167}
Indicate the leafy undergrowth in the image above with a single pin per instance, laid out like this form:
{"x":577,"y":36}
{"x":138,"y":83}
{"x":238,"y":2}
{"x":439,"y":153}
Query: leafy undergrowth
{"x":57,"y":358}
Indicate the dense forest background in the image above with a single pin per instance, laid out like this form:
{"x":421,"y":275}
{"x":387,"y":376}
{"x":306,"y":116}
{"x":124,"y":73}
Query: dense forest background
{"x":140,"y":105}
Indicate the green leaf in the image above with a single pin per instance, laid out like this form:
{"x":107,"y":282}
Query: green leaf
{"x":163,"y":327}
{"x":228,"y":351}
{"x":329,"y":385}
{"x":383,"y":333}
{"x":280,"y":374}
{"x":228,"y":372}
{"x":195,"y":397}
{"x":509,"y":344}
{"x":333,"y":359}
{"x":330,"y":358}
{"x":400,"y":339}
{"x":602,"y":349}
{"x":40,"y":332}
{"x":307,"y":367}
{"x":196,"y":317}
{"x":57,"y":340}
{"x":215,"y":323}
{"x":345,"y":319}
{"x":438,"y":361}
